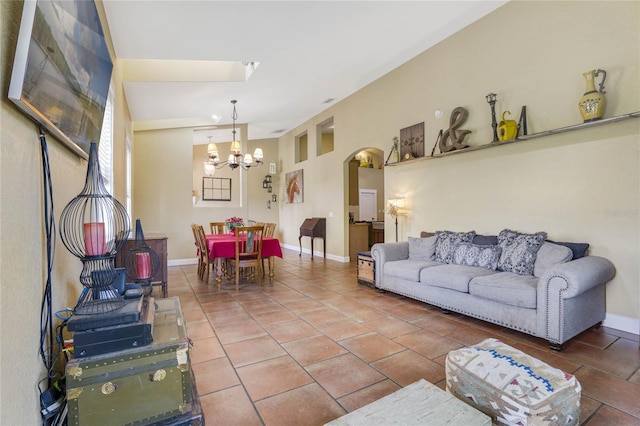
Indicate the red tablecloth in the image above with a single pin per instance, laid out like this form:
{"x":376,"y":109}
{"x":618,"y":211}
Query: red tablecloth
{"x":223,"y":245}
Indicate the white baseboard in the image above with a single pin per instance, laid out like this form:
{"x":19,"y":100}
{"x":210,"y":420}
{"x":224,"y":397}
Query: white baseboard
{"x":629,"y":325}
{"x":317,"y":253}
{"x":182,"y":262}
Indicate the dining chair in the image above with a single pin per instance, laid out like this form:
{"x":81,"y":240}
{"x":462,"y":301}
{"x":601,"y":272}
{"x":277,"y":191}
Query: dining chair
{"x":216,"y":227}
{"x":248,"y":252}
{"x":196,"y":238}
{"x":269,"y":231}
{"x":204,"y":254}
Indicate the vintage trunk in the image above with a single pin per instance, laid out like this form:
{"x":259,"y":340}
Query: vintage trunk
{"x":135,"y":386}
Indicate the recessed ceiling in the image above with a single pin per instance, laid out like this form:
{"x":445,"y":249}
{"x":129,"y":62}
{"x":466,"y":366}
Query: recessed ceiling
{"x":308,"y":52}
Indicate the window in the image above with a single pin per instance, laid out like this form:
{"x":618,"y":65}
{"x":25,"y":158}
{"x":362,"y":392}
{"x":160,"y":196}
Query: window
{"x":105,"y":146}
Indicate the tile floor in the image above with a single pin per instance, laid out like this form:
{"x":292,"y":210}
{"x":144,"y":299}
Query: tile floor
{"x":314,"y":345}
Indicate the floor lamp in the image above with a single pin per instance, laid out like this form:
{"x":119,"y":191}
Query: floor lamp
{"x":396,"y":207}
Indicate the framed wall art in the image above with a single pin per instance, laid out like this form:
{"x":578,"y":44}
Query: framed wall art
{"x":295,"y":187}
{"x":412,"y":142}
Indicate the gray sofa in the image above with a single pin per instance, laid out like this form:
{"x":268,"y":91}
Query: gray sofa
{"x":521,"y":281}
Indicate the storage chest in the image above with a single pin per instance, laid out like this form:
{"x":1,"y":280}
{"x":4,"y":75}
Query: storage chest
{"x":135,"y":386}
{"x":366,"y":269}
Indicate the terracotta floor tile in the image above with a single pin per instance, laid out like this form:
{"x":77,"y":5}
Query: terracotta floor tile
{"x":305,"y":405}
{"x":199,"y":330}
{"x":609,"y":416}
{"x":291,"y":330}
{"x":588,"y":406}
{"x":313,"y":349}
{"x":611,"y":390}
{"x":406,"y":311}
{"x":342,"y":329}
{"x":222,"y":318}
{"x":299,"y":305}
{"x":253,"y":350}
{"x":273,"y":317}
{"x":195,"y":315}
{"x":221,"y":305}
{"x":320,"y":315}
{"x":391,"y":326}
{"x":365,"y":396}
{"x":471,"y":336}
{"x":271,"y":377}
{"x":214,"y":375}
{"x":407,"y":367}
{"x":595,"y":337}
{"x":613,"y":361}
{"x":427,"y":343}
{"x":236,"y":332}
{"x":205,"y":349}
{"x":229,"y":407}
{"x":371,"y":346}
{"x":439,"y":324}
{"x":343,"y":374}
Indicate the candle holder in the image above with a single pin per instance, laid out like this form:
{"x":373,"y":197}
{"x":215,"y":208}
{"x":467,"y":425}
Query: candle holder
{"x":491,"y":99}
{"x":142,"y":262}
{"x":93,"y":227}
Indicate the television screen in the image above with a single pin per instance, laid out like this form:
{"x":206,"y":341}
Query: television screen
{"x":62,"y":70}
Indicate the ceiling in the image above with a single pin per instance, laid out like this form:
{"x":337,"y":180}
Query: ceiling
{"x":311,"y":54}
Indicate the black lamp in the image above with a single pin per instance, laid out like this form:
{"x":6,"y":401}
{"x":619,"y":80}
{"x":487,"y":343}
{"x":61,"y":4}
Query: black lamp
{"x":491,"y":99}
{"x":94,"y":227}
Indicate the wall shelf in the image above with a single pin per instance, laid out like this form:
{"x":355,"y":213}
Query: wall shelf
{"x":526,"y":137}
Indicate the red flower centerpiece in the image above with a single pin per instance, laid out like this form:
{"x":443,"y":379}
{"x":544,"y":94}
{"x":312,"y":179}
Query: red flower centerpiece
{"x":233,"y":222}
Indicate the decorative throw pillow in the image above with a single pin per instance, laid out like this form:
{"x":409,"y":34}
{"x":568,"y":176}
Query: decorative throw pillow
{"x":483,"y":256}
{"x":422,"y":248}
{"x":447,"y":241}
{"x":519,"y":251}
{"x":579,"y":249}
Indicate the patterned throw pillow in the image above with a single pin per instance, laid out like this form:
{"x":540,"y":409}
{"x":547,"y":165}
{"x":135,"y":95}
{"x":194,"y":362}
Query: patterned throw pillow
{"x":447,"y":241}
{"x":519,"y":251}
{"x":483,"y":256}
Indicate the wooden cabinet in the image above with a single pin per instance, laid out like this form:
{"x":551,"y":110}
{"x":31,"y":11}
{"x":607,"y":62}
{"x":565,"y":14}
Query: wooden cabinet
{"x":158,"y":243}
{"x":358,"y":240}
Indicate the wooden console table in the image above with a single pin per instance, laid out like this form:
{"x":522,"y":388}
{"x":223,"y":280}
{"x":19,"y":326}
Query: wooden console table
{"x":158,"y":243}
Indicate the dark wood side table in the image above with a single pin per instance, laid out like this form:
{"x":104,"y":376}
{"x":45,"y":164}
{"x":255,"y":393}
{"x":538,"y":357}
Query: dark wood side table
{"x":158,"y":243}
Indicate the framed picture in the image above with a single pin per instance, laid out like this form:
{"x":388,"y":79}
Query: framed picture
{"x":216,"y":189}
{"x":62,"y":70}
{"x":412,"y":142}
{"x":295,"y":187}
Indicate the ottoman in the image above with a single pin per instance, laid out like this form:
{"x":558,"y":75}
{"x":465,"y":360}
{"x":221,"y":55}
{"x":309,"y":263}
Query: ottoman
{"x":511,"y":386}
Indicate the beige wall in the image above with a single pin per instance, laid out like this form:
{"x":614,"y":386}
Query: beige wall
{"x":164,"y":180}
{"x":22,"y":234}
{"x":581,"y":186}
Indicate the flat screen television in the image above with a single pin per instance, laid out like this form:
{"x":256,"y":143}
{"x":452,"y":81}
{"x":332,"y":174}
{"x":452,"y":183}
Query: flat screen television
{"x":62,"y":70}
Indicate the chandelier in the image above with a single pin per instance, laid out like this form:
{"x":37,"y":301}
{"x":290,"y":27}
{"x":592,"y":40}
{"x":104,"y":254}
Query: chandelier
{"x":236,"y":158}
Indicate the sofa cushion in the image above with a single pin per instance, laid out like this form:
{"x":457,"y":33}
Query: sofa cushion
{"x":447,"y":241}
{"x":550,"y":254}
{"x":453,"y":277}
{"x":507,"y":288}
{"x":519,"y":251}
{"x":407,"y":269}
{"x":422,"y":248}
{"x":485,"y":240}
{"x":578,"y":249}
{"x":477,"y":255}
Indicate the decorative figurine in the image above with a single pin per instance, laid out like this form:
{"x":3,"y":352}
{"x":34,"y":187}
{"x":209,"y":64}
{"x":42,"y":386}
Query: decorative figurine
{"x":593,"y":102}
{"x":491,"y":99}
{"x":507,"y":129}
{"x":458,"y":116}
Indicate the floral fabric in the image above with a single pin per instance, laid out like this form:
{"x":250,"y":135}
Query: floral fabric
{"x":446,"y":242}
{"x":483,"y":256}
{"x":519,"y":251}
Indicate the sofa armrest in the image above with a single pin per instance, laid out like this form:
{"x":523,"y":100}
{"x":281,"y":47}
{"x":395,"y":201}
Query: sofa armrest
{"x":573,"y":278}
{"x":387,"y":252}
{"x":571,"y":298}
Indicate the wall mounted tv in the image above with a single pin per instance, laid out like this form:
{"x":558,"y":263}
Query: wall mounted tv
{"x":62,"y":70}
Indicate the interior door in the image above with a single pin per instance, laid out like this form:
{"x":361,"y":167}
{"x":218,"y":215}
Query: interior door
{"x":368,"y":204}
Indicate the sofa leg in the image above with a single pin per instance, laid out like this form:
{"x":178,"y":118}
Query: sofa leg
{"x":556,"y":346}
{"x":380,"y":290}
{"x":445,"y":311}
{"x":598,"y":325}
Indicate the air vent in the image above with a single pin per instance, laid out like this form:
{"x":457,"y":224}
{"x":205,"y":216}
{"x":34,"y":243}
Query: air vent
{"x":329,"y":100}
{"x":277,"y":131}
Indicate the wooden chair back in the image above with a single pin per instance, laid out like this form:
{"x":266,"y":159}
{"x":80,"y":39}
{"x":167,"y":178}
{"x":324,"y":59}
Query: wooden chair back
{"x":248,"y":251}
{"x":216,"y":227}
{"x":203,"y":249}
{"x":269,"y":230}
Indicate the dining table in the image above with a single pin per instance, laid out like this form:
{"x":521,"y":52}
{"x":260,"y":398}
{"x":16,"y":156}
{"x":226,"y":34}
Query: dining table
{"x":222,"y":246}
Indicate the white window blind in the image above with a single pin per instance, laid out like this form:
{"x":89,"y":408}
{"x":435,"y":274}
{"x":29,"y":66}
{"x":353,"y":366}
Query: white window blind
{"x":105,"y":147}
